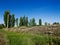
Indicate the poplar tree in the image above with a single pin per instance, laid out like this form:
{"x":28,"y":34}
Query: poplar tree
{"x":6,"y":14}
{"x":9,"y":21}
{"x":17,"y":22}
{"x":26,"y":21}
{"x":32,"y":22}
{"x":21,"y":21}
{"x":40,"y":22}
{"x":12,"y":20}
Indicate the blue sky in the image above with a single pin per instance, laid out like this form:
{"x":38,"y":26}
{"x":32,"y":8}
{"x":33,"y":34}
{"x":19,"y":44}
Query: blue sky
{"x":47,"y":10}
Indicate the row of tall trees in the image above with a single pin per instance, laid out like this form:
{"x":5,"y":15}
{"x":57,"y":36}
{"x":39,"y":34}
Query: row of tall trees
{"x":32,"y":22}
{"x":23,"y":21}
{"x":10,"y":21}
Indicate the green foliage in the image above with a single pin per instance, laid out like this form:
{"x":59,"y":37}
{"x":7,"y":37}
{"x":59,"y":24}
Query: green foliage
{"x":2,"y":26}
{"x":26,"y":21}
{"x":16,"y":22}
{"x":6,"y":13}
{"x":21,"y":21}
{"x":9,"y":21}
{"x":32,"y":22}
{"x":40,"y":22}
{"x":25,"y":39}
{"x":12,"y":20}
{"x":46,"y":23}
{"x":56,"y":41}
{"x":56,"y":23}
{"x":40,"y":40}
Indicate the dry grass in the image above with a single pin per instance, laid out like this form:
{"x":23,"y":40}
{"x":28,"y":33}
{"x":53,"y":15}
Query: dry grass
{"x":2,"y":39}
{"x":55,"y":30}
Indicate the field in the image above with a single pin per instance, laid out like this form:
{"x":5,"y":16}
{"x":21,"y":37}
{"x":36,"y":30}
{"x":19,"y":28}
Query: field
{"x":31,"y":37}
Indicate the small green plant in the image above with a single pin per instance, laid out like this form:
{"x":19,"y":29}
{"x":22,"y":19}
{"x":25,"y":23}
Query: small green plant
{"x":56,"y":41}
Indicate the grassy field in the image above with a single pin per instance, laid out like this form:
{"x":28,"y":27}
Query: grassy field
{"x":14,"y":38}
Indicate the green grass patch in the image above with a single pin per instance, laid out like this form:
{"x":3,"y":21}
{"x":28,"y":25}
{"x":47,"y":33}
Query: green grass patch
{"x":14,"y":38}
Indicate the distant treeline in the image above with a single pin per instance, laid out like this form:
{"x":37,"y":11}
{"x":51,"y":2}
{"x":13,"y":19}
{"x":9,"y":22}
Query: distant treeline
{"x":11,"y":21}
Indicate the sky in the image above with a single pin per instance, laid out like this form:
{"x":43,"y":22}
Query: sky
{"x":47,"y":10}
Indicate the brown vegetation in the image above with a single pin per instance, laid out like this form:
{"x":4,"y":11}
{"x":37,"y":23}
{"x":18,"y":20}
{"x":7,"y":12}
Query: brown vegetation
{"x":2,"y":39}
{"x":55,"y":30}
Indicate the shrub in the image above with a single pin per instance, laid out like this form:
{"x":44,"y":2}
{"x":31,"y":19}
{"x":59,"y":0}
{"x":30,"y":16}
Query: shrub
{"x":56,"y":41}
{"x":2,"y":26}
{"x":56,"y":23}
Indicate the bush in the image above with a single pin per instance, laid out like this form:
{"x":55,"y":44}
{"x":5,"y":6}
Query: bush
{"x":56,"y":23}
{"x":56,"y":41}
{"x":2,"y":26}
